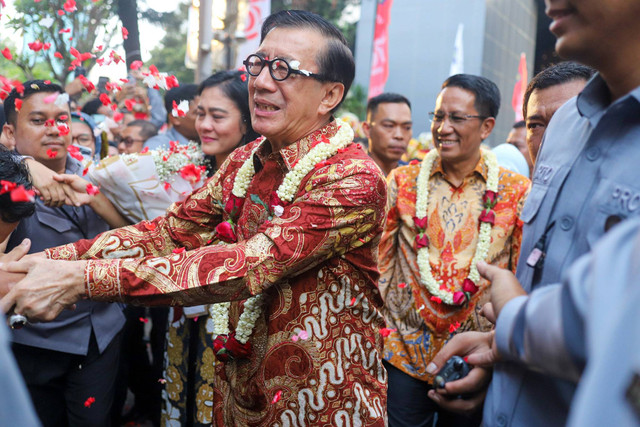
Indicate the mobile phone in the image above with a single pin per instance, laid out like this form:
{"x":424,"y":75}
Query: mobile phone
{"x":102,"y":84}
{"x":80,"y":71}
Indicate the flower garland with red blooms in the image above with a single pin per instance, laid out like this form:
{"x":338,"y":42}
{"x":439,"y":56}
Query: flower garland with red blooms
{"x":486,"y":219}
{"x":234,"y":345}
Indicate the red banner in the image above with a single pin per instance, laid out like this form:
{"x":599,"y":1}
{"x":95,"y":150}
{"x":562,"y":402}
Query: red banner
{"x":380,"y":62}
{"x":520,"y":88}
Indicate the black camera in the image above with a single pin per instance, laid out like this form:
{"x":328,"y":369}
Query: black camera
{"x":453,"y":370}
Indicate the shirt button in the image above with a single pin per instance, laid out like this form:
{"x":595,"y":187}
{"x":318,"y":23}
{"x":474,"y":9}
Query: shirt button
{"x":502,"y":420}
{"x":593,"y":153}
{"x":566,"y":222}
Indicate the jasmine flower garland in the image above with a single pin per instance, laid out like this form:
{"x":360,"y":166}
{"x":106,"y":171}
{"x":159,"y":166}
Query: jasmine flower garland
{"x":484,"y":237}
{"x":323,"y":150}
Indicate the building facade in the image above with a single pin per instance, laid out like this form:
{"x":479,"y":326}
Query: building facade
{"x":422,"y":37}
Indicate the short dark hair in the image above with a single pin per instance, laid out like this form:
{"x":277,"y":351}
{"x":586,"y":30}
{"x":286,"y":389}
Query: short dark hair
{"x":385,"y":98}
{"x":91,"y":106}
{"x":519,"y":124}
{"x":236,"y":89}
{"x":556,"y":75}
{"x":335,"y":60}
{"x":31,"y":87}
{"x":13,"y":169}
{"x":181,"y":93}
{"x":486,"y":93}
{"x":147,"y":129}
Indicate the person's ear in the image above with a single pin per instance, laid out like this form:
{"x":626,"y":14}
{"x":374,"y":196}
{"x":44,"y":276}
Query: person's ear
{"x":366,"y":128}
{"x":9,"y":131}
{"x":486,"y":127}
{"x":333,"y":92}
{"x":173,"y":121}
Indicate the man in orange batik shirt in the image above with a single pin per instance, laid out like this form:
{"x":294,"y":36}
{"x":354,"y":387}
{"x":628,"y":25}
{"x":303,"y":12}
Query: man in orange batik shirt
{"x":449,"y":211}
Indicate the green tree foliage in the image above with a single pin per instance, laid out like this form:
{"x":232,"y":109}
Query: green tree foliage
{"x":169,"y":55}
{"x":41,"y":21}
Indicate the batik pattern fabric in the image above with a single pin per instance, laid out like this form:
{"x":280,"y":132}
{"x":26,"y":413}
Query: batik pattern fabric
{"x":420,"y":325}
{"x":316,"y":266}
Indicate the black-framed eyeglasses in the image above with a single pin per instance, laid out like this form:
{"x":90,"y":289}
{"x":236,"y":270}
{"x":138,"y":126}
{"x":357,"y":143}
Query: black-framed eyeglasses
{"x":455,"y":118}
{"x":279,"y":68}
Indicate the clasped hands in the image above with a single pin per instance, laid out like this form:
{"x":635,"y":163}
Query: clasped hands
{"x":36,"y":287}
{"x":478,"y":348}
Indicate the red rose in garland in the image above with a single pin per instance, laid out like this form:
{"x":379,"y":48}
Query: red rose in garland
{"x":469,"y":286}
{"x":233,"y":205}
{"x":226,"y":232}
{"x":236,"y":349}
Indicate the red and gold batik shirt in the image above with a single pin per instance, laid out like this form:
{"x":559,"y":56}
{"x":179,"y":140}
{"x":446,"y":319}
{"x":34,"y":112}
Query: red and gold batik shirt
{"x":423,"y":326}
{"x":316,"y":264}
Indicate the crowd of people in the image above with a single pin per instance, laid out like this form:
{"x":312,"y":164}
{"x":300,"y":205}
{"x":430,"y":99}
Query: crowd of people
{"x":321,"y":276}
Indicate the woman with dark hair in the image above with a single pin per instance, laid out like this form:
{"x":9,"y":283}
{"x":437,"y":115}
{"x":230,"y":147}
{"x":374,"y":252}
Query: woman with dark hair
{"x":223,"y":120}
{"x":223,"y":123}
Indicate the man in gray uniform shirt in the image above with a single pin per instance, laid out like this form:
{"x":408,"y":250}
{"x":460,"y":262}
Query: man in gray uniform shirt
{"x":586,"y":180}
{"x":69,"y":364}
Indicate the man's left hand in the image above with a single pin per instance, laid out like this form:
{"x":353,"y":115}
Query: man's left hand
{"x":49,"y":287}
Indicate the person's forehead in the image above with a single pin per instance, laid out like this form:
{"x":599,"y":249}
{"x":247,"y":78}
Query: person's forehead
{"x":396,"y":111}
{"x":132,"y":130}
{"x":549,"y":99}
{"x":292,"y":43}
{"x":78,"y":126}
{"x":36,"y":103}
{"x":456,"y":99}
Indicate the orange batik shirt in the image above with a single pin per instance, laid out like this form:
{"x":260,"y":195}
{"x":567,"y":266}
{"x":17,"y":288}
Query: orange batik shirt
{"x":315,"y":264}
{"x":420,"y":326}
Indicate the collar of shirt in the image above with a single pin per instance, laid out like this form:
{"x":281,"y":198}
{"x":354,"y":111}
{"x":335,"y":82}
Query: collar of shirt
{"x":480,"y":169}
{"x":595,"y":99}
{"x":289,"y":155}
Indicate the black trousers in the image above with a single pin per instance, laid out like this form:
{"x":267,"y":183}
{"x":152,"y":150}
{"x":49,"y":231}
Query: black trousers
{"x":408,"y":404}
{"x":60,"y":383}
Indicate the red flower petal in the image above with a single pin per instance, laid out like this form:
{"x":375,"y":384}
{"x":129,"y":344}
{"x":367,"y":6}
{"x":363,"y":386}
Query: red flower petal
{"x":276,"y":397}
{"x":436,"y":299}
{"x":6,"y":186}
{"x":52,"y":153}
{"x":453,"y":327}
{"x":353,"y":301}
{"x":7,"y":53}
{"x":20,"y":194}
{"x":151,"y":226}
{"x":178,"y":250}
{"x":18,"y":104}
{"x":104,"y":98}
{"x":70,"y":6}
{"x":402,"y":285}
{"x":90,"y":401}
{"x":136,"y":65}
{"x":143,"y":320}
{"x":125,"y":33}
{"x":92,"y":190}
{"x":385,"y":332}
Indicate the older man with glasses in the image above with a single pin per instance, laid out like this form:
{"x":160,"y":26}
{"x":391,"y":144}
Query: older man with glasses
{"x":282,"y":240}
{"x":448,"y":212}
{"x":134,"y":135}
